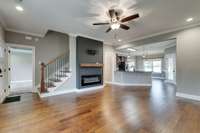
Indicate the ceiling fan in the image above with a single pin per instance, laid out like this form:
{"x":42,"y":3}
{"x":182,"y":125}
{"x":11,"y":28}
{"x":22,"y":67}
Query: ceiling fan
{"x":116,"y":22}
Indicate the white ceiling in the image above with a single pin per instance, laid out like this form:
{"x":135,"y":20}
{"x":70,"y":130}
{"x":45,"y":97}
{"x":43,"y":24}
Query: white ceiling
{"x":77,"y":16}
{"x":149,"y":49}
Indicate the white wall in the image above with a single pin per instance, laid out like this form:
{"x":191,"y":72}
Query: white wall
{"x":71,"y":83}
{"x":109,"y":58}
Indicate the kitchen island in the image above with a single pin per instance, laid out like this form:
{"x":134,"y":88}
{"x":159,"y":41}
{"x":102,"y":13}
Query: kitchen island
{"x":136,"y":78}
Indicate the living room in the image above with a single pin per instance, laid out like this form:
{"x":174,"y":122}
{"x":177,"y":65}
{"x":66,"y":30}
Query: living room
{"x":99,"y":66}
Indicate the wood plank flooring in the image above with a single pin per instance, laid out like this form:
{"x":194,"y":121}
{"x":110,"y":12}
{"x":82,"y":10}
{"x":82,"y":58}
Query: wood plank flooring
{"x":111,"y":110}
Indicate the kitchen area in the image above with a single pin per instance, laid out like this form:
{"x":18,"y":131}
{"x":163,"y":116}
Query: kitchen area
{"x":139,"y":65}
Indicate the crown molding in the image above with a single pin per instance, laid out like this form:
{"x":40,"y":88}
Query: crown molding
{"x":86,"y":36}
{"x":165,"y":32}
{"x":130,"y":43}
{"x":26,"y":33}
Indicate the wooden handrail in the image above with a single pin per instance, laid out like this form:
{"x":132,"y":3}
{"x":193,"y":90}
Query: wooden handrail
{"x":42,"y":83}
{"x":56,"y":58}
{"x":52,"y":71}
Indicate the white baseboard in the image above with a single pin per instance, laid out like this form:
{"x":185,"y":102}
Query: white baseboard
{"x":188,"y":96}
{"x":90,"y":89}
{"x":124,"y":84}
{"x":162,"y":78}
{"x":170,"y":81}
{"x":56,"y":93}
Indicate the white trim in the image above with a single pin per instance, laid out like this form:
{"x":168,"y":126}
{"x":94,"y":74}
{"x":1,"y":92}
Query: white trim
{"x":75,"y":90}
{"x":26,"y":33}
{"x":21,"y":81}
{"x":188,"y":96}
{"x":10,"y":45}
{"x":56,"y":93}
{"x":90,"y":89}
{"x":22,"y":51}
{"x":162,"y":78}
{"x":59,"y":84}
{"x":170,"y":81}
{"x":87,"y":36}
{"x":125,"y":84}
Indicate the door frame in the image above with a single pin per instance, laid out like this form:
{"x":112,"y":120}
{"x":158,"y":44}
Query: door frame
{"x":10,"y":45}
{"x":173,"y":56}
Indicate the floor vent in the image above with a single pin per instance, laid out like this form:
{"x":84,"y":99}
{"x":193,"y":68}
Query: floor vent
{"x":12,"y":99}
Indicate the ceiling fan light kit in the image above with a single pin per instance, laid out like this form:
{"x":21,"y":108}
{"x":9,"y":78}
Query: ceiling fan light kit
{"x":115,"y":26}
{"x":116,"y":22}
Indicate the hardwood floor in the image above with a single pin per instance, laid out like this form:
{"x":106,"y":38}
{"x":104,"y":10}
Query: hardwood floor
{"x":112,"y":110}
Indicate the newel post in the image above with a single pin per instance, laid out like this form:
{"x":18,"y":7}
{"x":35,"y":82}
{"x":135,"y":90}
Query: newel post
{"x":42,"y":82}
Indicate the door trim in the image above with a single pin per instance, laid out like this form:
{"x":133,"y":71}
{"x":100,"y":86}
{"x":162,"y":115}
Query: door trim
{"x":33,"y":60}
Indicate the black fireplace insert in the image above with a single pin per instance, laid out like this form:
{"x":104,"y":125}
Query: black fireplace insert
{"x":90,"y":80}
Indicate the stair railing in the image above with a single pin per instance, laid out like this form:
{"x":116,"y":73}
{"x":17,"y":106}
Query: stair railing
{"x":53,"y":71}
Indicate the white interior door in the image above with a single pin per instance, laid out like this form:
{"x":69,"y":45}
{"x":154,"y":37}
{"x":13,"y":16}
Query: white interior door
{"x":2,"y":78}
{"x":3,"y":73}
{"x":171,"y":67}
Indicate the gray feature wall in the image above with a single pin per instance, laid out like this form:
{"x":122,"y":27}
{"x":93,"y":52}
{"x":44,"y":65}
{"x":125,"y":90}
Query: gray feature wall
{"x":46,"y":49}
{"x":84,"y":44}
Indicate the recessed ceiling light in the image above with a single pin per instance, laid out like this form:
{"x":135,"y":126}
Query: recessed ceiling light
{"x":19,"y":8}
{"x":119,"y":40}
{"x":28,"y":38}
{"x":131,"y":49}
{"x":189,"y":19}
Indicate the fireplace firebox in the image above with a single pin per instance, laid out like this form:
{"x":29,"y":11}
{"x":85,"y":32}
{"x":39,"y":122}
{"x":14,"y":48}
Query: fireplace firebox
{"x":90,"y":80}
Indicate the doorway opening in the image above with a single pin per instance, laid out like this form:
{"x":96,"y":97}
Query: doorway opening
{"x":22,"y":70}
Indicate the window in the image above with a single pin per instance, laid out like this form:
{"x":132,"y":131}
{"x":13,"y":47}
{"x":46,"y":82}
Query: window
{"x":1,"y":52}
{"x":131,"y":66}
{"x":153,"y":65}
{"x":157,"y":64}
{"x":148,"y":66}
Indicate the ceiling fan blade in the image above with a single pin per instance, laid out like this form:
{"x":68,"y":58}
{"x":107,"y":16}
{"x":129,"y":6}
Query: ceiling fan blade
{"x":130,"y":18}
{"x":101,"y":23}
{"x":109,"y":29}
{"x":125,"y":27}
{"x":117,"y":16}
{"x":111,"y":13}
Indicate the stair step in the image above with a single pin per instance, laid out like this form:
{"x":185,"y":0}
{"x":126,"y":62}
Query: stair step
{"x":66,"y":68}
{"x":49,"y":85}
{"x":55,"y":80}
{"x":65,"y":71}
{"x":61,"y":75}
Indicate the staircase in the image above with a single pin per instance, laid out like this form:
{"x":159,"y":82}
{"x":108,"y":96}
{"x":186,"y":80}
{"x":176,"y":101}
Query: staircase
{"x":54,"y":73}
